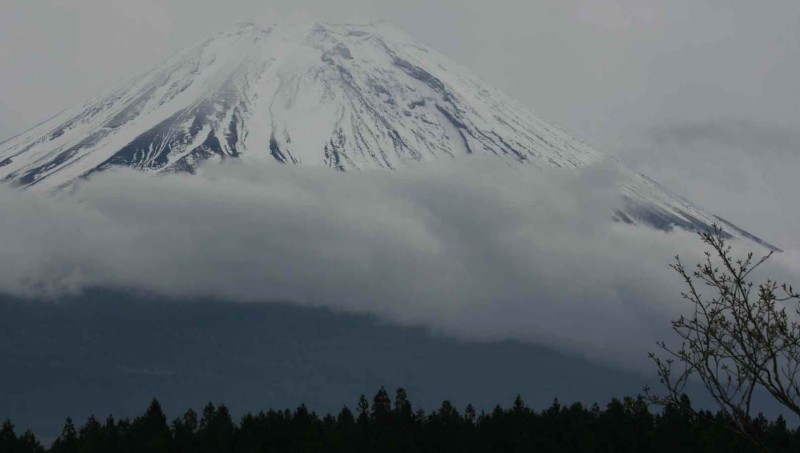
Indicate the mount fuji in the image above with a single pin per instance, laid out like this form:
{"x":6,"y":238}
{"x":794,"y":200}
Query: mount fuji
{"x":348,"y":97}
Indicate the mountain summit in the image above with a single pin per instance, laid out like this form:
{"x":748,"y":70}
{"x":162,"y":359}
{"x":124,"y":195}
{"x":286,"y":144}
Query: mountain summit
{"x":343,"y":96}
{"x":349,"y":97}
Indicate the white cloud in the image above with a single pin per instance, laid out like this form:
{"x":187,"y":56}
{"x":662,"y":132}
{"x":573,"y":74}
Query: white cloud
{"x":474,"y":250}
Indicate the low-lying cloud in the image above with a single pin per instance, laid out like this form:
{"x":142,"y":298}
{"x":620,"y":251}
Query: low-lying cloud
{"x":475,"y":250}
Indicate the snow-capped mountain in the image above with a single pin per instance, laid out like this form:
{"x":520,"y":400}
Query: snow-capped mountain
{"x":349,"y":97}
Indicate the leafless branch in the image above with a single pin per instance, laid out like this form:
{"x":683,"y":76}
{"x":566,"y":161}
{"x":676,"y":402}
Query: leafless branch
{"x":734,"y":341}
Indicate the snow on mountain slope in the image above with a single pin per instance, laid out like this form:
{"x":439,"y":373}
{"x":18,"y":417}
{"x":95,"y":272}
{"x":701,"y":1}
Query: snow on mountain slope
{"x":349,"y":97}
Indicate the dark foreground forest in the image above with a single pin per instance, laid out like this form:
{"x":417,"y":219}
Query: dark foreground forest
{"x":383,"y":425}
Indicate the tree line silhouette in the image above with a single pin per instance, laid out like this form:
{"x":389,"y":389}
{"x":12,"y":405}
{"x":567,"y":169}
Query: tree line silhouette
{"x":626,"y":425}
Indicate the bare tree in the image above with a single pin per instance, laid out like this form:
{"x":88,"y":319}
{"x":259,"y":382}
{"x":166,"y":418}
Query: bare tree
{"x":737,"y":340}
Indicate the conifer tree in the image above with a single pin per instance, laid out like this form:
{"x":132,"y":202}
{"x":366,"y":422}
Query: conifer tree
{"x":381,"y":406}
{"x":184,"y":429}
{"x":27,"y":443}
{"x":90,"y":437}
{"x":345,"y":418}
{"x":67,"y":442}
{"x":216,"y":429}
{"x":519,"y":407}
{"x":8,"y":438}
{"x":402,"y":406}
{"x":469,"y":415}
{"x":363,"y":412}
{"x":150,"y":432}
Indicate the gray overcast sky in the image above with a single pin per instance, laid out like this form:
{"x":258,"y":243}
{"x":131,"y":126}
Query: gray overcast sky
{"x":700,"y":94}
